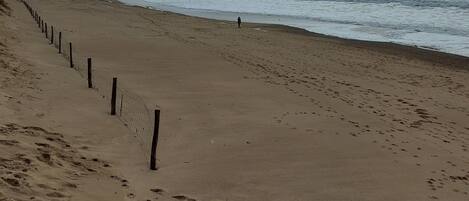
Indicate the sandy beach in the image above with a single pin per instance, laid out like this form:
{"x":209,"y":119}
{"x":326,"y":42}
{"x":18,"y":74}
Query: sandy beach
{"x":265,"y":112}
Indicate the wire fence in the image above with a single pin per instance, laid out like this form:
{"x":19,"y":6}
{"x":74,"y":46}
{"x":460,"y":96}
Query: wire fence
{"x":130,"y":107}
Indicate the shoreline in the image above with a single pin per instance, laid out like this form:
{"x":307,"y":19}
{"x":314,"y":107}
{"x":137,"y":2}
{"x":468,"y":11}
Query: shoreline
{"x":401,"y":50}
{"x":424,"y":54}
{"x":293,"y":29}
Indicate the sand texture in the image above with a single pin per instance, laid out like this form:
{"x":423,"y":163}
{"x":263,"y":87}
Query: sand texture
{"x":264,"y":112}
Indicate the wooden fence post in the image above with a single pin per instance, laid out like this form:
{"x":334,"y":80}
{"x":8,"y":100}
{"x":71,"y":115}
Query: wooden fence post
{"x":45,"y":24}
{"x":121,"y":104}
{"x":52,"y":35}
{"x":90,"y":83}
{"x":113,"y":96}
{"x":154,"y":142}
{"x":60,"y":42}
{"x":71,"y":54}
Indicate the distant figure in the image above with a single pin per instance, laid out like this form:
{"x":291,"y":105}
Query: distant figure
{"x":239,"y":22}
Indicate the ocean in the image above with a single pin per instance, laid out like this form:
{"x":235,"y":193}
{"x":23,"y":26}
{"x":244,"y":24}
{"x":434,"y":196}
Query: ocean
{"x":441,"y":25}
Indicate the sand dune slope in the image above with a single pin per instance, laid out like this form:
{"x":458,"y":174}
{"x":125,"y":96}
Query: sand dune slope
{"x":41,"y":165}
{"x":57,"y":139}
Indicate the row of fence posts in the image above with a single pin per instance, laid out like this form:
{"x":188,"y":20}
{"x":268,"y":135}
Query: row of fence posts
{"x":43,"y":26}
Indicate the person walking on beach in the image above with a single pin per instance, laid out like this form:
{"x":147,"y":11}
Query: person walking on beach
{"x":239,"y":22}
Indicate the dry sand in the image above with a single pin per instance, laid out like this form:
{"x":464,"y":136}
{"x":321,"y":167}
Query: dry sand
{"x":259,"y":113}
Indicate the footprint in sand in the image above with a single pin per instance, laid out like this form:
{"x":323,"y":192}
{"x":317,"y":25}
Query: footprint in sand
{"x":157,"y":190}
{"x":9,"y":142}
{"x":183,"y":198}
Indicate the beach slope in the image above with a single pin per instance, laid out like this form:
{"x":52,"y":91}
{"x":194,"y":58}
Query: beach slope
{"x":264,"y":112}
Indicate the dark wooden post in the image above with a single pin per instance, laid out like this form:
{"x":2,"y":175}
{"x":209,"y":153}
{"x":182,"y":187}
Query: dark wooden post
{"x":71,"y":55}
{"x":90,"y":83}
{"x":60,"y":42}
{"x":113,"y":96}
{"x":52,"y":35}
{"x":154,"y":142}
{"x":45,"y":24}
{"x":122,"y":103}
{"x":42,"y":26}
